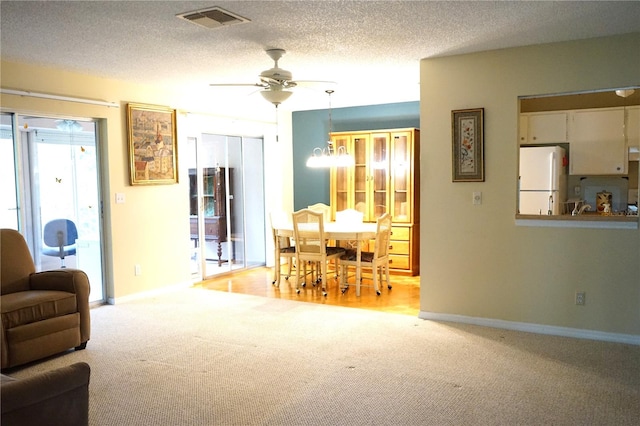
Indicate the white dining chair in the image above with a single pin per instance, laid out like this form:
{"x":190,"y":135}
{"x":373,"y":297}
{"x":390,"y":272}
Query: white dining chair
{"x":377,"y":260}
{"x":283,"y":246}
{"x":349,"y":216}
{"x":311,"y":246}
{"x":322,"y":208}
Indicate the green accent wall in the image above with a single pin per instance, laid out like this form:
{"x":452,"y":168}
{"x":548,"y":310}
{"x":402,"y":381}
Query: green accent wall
{"x":310,"y":129}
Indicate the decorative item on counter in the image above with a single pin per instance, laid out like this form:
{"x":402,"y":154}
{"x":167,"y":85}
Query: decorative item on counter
{"x":603,"y":203}
{"x":576,"y":205}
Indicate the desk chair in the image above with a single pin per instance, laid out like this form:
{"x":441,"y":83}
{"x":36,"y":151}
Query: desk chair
{"x":283,"y":246}
{"x":60,"y":237}
{"x":311,"y":245}
{"x":378,"y":260}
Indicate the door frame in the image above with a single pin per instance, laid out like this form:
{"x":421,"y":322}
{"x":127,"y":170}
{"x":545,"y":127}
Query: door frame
{"x":24,"y":188}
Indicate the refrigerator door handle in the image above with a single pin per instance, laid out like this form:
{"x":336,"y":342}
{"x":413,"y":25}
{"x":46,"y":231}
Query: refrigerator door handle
{"x":552,"y":177}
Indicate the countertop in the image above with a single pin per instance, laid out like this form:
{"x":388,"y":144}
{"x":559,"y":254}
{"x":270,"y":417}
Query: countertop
{"x":585,"y":220}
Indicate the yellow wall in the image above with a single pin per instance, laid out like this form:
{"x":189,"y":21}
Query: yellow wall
{"x":152,"y":227}
{"x":476,"y":264}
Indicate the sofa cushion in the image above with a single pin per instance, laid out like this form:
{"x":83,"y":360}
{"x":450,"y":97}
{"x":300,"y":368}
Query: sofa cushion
{"x":26,"y":307}
{"x":352,"y":255}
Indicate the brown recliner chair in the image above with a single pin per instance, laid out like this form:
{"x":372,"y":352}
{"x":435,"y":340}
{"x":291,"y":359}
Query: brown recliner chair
{"x":43,"y":313}
{"x":57,"y":397}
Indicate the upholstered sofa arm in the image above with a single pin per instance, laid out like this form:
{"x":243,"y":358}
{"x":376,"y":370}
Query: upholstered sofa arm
{"x":72,"y":281}
{"x":60,"y":396}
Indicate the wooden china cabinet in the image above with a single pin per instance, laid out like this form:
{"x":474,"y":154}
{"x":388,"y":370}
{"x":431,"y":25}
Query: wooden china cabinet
{"x":214,"y":206}
{"x":385,"y":178}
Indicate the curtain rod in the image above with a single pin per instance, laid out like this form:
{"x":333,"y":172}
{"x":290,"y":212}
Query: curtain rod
{"x":58,"y":98}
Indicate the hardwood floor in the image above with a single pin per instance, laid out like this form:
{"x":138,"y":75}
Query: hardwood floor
{"x":403,"y":298}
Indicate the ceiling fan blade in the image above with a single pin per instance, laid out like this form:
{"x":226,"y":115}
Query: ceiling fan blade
{"x":309,"y":82}
{"x":261,"y":85}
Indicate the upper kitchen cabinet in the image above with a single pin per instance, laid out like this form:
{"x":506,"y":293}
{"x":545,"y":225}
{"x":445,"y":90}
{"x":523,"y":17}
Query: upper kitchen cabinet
{"x":597,"y":141}
{"x":632,"y":126}
{"x":543,"y":128}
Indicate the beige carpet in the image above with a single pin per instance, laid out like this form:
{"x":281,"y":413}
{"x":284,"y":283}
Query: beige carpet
{"x":201,"y":357}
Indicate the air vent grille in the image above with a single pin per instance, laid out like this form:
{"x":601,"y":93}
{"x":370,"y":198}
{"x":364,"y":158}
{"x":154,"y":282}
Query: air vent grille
{"x":213,"y":18}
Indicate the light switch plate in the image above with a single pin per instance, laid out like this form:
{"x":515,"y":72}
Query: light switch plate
{"x":477,"y":198}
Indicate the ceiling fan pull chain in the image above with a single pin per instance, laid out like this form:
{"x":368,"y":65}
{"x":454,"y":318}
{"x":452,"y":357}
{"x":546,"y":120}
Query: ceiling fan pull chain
{"x":277,"y":126}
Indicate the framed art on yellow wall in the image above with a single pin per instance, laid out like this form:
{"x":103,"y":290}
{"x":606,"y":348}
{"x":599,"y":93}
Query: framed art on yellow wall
{"x":151,"y":134}
{"x":467,"y":129}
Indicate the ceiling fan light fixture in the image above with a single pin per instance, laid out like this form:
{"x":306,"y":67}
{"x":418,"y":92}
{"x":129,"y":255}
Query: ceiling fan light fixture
{"x":276,"y":97}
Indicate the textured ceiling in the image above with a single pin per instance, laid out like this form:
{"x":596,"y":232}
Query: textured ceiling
{"x":371,"y":49}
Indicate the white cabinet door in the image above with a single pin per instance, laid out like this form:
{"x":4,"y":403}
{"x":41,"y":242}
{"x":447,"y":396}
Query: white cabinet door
{"x":547,"y":127}
{"x":597,"y":142}
{"x":523,"y":132}
{"x":632,"y":126}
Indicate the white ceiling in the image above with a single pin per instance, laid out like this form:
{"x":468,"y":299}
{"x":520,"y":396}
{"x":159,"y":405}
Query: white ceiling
{"x":371,"y":49}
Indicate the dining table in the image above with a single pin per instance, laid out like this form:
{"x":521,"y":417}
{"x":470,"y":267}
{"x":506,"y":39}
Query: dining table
{"x":338,"y":231}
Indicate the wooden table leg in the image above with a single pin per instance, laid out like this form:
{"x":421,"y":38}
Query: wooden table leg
{"x":358,"y":270}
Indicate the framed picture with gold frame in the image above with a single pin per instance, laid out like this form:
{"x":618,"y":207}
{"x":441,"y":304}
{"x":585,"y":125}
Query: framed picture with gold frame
{"x":467,"y":129}
{"x":151,"y":134}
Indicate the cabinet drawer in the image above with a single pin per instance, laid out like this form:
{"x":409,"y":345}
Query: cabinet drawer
{"x":400,"y":233}
{"x":398,"y":262}
{"x":399,"y":247}
{"x":211,"y":228}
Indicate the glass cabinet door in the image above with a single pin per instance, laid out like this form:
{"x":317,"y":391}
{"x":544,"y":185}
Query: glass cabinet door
{"x":379,"y":175}
{"x":401,"y":170}
{"x":360,"y":177}
{"x":342,"y":191}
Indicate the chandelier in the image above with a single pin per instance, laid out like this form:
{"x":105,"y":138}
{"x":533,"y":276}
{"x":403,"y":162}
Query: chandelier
{"x":329,"y":156}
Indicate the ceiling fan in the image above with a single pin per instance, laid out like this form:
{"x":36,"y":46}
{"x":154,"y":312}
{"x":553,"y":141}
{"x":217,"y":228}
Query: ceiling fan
{"x":274,"y":82}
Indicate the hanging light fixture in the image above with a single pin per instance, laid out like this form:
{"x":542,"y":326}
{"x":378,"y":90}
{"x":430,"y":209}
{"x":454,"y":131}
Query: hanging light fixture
{"x":276,"y":97}
{"x":624,"y":93}
{"x":329,"y":156}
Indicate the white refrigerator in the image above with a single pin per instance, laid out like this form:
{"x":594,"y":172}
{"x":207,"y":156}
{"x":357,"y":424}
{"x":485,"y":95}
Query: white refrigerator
{"x":543,"y":180}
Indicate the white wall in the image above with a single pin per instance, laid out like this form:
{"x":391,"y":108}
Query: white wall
{"x":476,"y":264}
{"x":152,"y":228}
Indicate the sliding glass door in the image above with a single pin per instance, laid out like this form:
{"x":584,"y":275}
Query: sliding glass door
{"x":226,"y":204}
{"x":52,"y":196}
{"x":8,"y":188}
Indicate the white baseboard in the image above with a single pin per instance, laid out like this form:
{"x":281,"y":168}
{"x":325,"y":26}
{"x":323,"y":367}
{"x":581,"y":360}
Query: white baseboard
{"x":577,"y":333}
{"x":150,"y":293}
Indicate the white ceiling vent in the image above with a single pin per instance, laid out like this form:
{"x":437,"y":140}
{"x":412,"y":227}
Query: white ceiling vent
{"x":213,"y":18}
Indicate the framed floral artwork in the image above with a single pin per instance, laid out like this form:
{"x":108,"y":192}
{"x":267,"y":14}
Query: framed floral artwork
{"x":151,"y":134}
{"x":467,"y":129}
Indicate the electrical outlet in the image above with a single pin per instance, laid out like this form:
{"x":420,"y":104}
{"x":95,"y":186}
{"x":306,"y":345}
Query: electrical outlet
{"x":477,"y":198}
{"x":580,"y":297}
